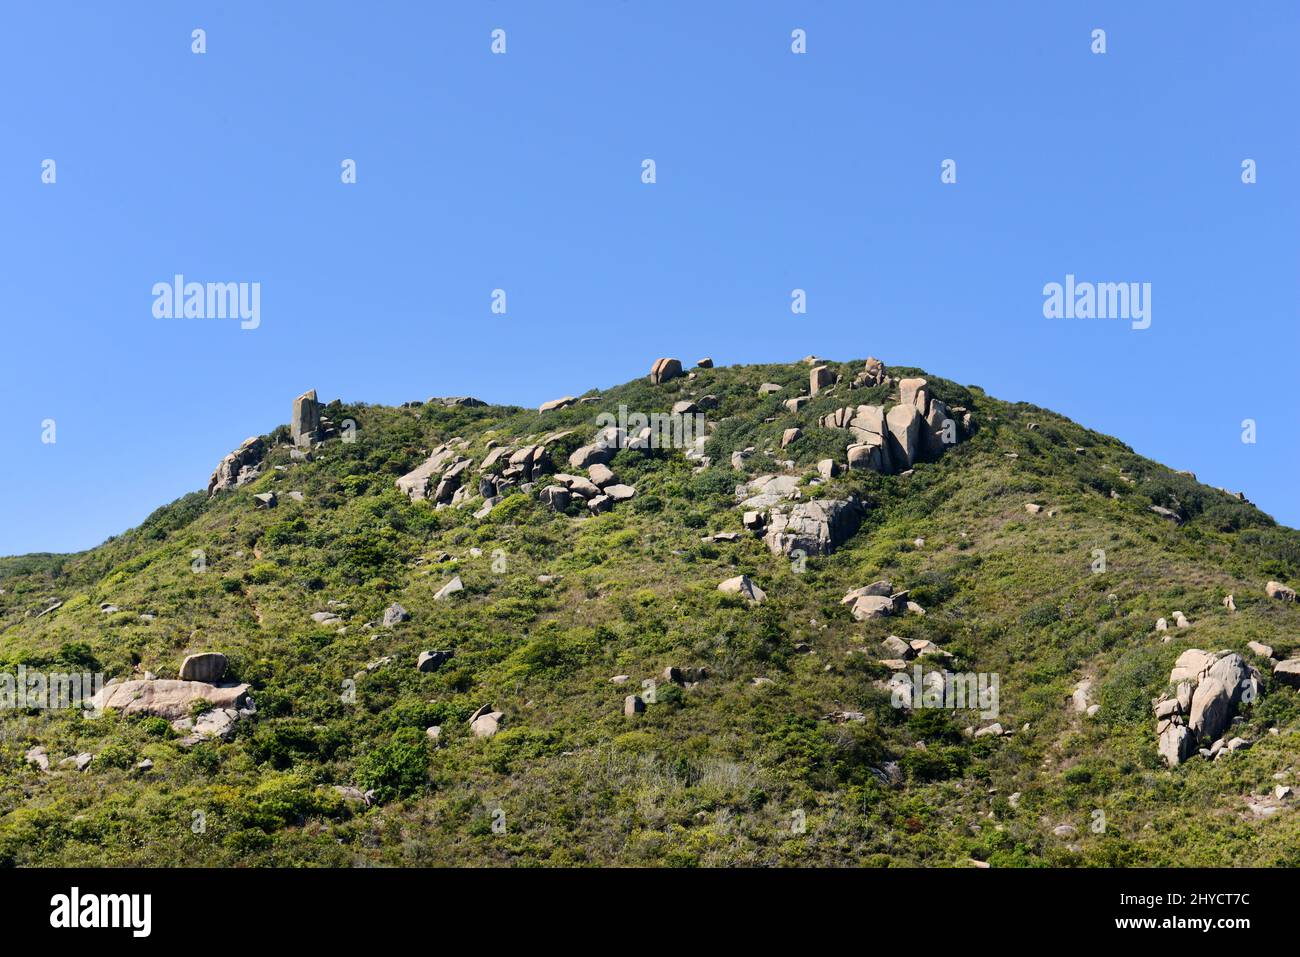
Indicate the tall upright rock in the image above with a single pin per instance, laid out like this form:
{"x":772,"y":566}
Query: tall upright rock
{"x":305,"y":424}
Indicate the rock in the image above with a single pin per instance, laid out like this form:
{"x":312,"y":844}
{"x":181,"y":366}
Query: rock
{"x":485,"y":723}
{"x":914,"y":392}
{"x":828,"y":469}
{"x":1279,"y":591}
{"x":394,"y":614}
{"x":992,"y":729}
{"x":169,"y":699}
{"x":620,"y":679}
{"x":789,"y":436}
{"x":1181,"y":620}
{"x":1288,"y":672}
{"x":431,"y":661}
{"x":754,"y":521}
{"x":1162,"y":625}
{"x":872,"y":606}
{"x":304,"y":427}
{"x":684,"y":407}
{"x":1093,"y":710}
{"x":769,"y":388}
{"x":449,"y":589}
{"x":819,"y":377}
{"x":883,"y":588}
{"x":867,"y":457}
{"x":704,"y":364}
{"x":599,"y":504}
{"x":239,"y":467}
{"x":768,"y":490}
{"x":896,"y":647}
{"x":1211,"y":709}
{"x":620,"y":493}
{"x":914,"y":608}
{"x":1229,"y":604}
{"x":588,"y":456}
{"x":216,"y":723}
{"x":418,"y":483}
{"x":1191,"y":664}
{"x":209,"y":666}
{"x":873,"y":372}
{"x":556,"y":496}
{"x":904,"y":424}
{"x":600,"y":474}
{"x":1082,"y":695}
{"x":1238,"y":744}
{"x":742,"y":585}
{"x":797,"y":403}
{"x":815,"y":528}
{"x":1167,"y":513}
{"x":664,"y":370}
{"x":37,"y":756}
{"x":144,"y":765}
{"x":554,"y":404}
{"x":1065,"y":831}
{"x":79,"y":761}
{"x":1264,"y":651}
{"x":1175,"y":744}
{"x":1033,"y":508}
{"x":633,"y":704}
{"x":265,"y":500}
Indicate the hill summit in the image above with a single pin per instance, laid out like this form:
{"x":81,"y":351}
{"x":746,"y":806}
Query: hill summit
{"x":811,"y":613}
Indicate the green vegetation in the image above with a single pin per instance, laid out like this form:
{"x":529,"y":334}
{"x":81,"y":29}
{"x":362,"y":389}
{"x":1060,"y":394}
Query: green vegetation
{"x":724,"y":772}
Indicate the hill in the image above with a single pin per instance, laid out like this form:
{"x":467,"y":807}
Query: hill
{"x":372,"y":573}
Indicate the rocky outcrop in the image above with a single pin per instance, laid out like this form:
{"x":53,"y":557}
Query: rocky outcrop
{"x":817,"y":527}
{"x":304,"y":427}
{"x":239,"y":467}
{"x":1288,"y":672}
{"x":891,"y":441}
{"x":1209,"y":691}
{"x":820,"y":377}
{"x":431,"y":661}
{"x":419,"y":482}
{"x":872,"y":374}
{"x":665,"y":369}
{"x":485,"y":722}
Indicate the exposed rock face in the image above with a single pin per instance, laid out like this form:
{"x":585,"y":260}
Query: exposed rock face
{"x":1210,"y":690}
{"x":815,"y":528}
{"x":209,"y":666}
{"x":418,"y":483}
{"x":665,"y":369}
{"x":768,"y":490}
{"x":554,"y":404}
{"x":890,"y":442}
{"x":633,"y":704}
{"x":819,"y":377}
{"x":789,"y":436}
{"x":169,"y":699}
{"x":239,"y":467}
{"x":705,"y":363}
{"x":872,"y":374}
{"x":743,"y":586}
{"x":1279,"y":591}
{"x":304,"y":427}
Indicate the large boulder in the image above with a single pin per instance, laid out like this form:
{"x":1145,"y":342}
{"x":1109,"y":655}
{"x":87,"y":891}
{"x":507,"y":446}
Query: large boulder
{"x":904,"y":424}
{"x":209,"y":666}
{"x":665,"y":369}
{"x":394,"y":614}
{"x":914,"y":392}
{"x":1279,"y":591}
{"x":169,"y":699}
{"x":418,"y":483}
{"x":1176,"y":743}
{"x":431,"y":661}
{"x":239,"y":467}
{"x":1288,"y":672}
{"x":304,"y":427}
{"x":815,"y":528}
{"x":819,"y":377}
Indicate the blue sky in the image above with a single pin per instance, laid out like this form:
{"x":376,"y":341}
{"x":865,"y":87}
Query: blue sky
{"x":523,"y":172}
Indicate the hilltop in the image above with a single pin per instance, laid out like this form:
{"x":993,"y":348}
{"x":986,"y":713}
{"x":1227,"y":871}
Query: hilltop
{"x":542,"y":587}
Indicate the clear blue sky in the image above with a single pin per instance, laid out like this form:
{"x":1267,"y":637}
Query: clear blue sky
{"x":522,"y":171}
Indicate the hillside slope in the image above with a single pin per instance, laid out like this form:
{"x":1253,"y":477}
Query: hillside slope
{"x":785,"y":748}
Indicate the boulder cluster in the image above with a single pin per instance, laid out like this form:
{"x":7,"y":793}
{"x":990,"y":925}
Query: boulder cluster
{"x":892,"y":440}
{"x":879,"y":600}
{"x":1208,"y":691}
{"x":200,"y":680}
